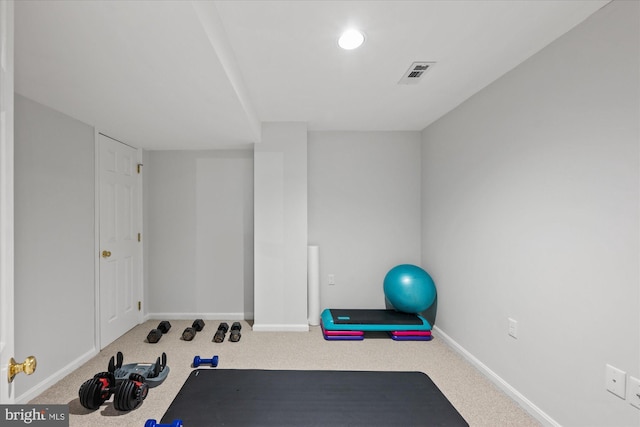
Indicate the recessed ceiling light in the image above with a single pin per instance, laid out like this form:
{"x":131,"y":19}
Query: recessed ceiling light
{"x":351,"y":39}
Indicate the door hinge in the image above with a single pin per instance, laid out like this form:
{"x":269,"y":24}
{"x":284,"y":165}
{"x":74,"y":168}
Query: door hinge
{"x":139,"y":237}
{"x":139,"y":305}
{"x":139,"y":167}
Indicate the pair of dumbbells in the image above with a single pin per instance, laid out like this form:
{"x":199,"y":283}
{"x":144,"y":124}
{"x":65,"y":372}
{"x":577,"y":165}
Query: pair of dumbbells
{"x":234,"y":336}
{"x":128,"y":393}
{"x":155,"y":334}
{"x":189,"y":333}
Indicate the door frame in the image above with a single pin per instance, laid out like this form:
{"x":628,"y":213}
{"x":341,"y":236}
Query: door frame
{"x":6,"y":198}
{"x":140,"y":290}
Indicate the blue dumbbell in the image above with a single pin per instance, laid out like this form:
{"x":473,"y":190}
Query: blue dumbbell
{"x":197,"y":361}
{"x":153,"y":423}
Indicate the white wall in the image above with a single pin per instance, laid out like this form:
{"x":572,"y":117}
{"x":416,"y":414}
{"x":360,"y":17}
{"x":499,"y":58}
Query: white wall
{"x":280,"y":187}
{"x":530,"y":211}
{"x":364,"y":211}
{"x":54,"y":242}
{"x":198,"y":236}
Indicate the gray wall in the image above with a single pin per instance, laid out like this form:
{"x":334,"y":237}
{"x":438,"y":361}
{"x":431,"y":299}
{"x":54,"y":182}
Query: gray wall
{"x":364,"y":211}
{"x":54,"y":241}
{"x":530,"y":211}
{"x":198,"y":234}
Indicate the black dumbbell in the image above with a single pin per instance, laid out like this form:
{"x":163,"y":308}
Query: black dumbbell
{"x":154,"y":423}
{"x":189,"y":333}
{"x":197,"y":361}
{"x":155,"y":334}
{"x":222,"y":330}
{"x":128,"y":394}
{"x":235,"y":332}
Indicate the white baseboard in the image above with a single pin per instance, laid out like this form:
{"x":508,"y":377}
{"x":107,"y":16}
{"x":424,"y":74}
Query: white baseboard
{"x":51,"y":380}
{"x":265,"y":327}
{"x":526,"y":404}
{"x":190,"y":316}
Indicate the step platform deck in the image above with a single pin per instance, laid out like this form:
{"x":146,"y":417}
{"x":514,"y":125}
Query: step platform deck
{"x":356,"y":324}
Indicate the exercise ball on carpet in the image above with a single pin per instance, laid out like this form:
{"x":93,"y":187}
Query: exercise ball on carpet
{"x":409,"y":288}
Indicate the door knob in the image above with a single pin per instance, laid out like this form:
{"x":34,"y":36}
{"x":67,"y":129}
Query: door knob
{"x":28,"y":367}
{"x":106,"y":254}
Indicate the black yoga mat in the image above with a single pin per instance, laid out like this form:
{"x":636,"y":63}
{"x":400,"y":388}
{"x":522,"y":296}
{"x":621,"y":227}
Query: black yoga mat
{"x":229,"y":397}
{"x":373,"y":317}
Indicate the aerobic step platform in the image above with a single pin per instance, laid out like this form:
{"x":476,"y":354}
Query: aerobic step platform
{"x":351,"y":325}
{"x":372,"y":320}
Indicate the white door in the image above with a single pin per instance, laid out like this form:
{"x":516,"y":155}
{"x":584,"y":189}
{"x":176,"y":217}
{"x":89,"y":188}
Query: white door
{"x":6,"y":199}
{"x":119,"y":248}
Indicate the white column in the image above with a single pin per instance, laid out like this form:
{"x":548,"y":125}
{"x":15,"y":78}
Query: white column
{"x":280,"y":228}
{"x":313,"y":285}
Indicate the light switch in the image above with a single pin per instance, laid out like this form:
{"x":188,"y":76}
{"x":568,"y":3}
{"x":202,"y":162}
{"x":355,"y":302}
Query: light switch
{"x":616,"y":381}
{"x":633,"y":392}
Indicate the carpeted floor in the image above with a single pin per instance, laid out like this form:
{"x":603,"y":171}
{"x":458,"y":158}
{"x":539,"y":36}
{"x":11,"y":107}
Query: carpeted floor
{"x":475,"y":397}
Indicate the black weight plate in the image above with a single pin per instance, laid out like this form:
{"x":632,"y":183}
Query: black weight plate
{"x":124,"y":399}
{"x":90,"y":394}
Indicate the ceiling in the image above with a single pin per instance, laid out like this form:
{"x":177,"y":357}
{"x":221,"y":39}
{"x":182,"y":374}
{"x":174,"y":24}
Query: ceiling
{"x":205,"y":74}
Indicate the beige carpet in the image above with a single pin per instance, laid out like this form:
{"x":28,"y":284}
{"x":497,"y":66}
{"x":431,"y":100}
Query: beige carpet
{"x":476,"y":398}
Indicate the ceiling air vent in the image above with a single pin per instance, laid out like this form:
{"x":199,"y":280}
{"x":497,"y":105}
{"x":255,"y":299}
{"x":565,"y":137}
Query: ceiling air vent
{"x":415,"y":73}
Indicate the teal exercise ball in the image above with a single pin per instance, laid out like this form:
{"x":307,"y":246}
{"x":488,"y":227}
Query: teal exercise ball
{"x":409,"y":288}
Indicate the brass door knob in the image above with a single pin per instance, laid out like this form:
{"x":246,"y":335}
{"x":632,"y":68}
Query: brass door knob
{"x":28,"y":367}
{"x":106,"y":254}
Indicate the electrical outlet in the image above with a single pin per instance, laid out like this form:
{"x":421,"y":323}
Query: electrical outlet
{"x":616,"y":381}
{"x":513,"y":328}
{"x":633,"y":391}
{"x":332,"y":279}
